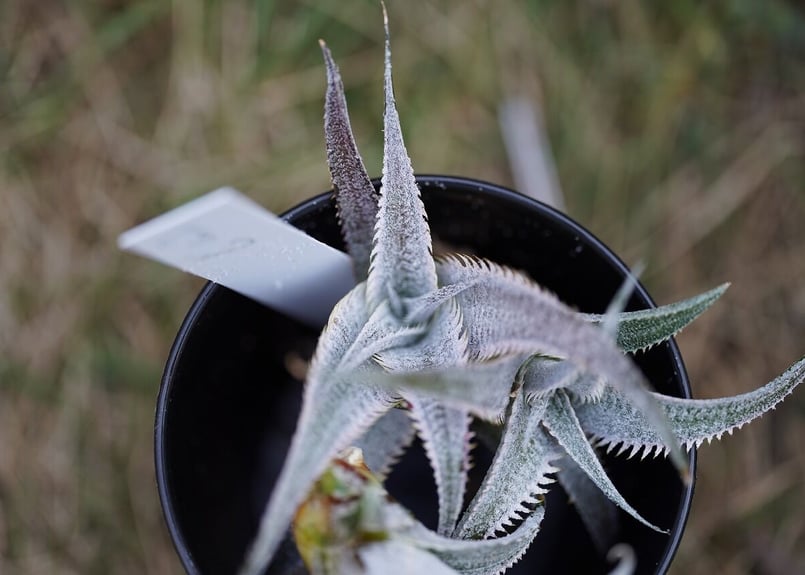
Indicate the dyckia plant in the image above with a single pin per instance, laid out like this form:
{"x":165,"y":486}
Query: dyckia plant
{"x":424,"y":345}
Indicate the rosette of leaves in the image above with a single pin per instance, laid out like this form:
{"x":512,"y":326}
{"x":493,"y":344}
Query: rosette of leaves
{"x":424,"y":345}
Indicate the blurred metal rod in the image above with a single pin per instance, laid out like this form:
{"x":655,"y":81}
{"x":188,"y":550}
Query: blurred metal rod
{"x":529,"y":152}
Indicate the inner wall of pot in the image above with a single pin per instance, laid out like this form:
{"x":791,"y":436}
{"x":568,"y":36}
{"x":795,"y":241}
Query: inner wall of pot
{"x":232,"y":390}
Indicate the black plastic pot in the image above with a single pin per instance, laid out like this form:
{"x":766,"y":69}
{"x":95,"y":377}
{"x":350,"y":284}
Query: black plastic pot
{"x":228,"y":402}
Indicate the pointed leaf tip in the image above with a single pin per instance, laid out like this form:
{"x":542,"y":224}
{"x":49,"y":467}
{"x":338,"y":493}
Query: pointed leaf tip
{"x":513,"y":478}
{"x":356,"y":200}
{"x":387,"y":49}
{"x":621,"y":300}
{"x":402,"y":263}
{"x":643,"y":329}
{"x":613,"y":421}
{"x":562,"y":423}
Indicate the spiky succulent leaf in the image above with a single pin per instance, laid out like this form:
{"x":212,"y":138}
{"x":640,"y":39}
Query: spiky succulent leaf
{"x":384,"y":442}
{"x":355,"y":195}
{"x":484,"y":557}
{"x":561,"y":422}
{"x":341,"y":412}
{"x":422,"y":307}
{"x":349,"y":524}
{"x":639,"y":330}
{"x":402,"y":262}
{"x":519,"y":470}
{"x":336,"y":409}
{"x":442,"y":346}
{"x":347,"y":320}
{"x":482,"y":388}
{"x":507,"y":313}
{"x":382,"y":331}
{"x":613,"y":422}
{"x":597,"y":512}
{"x":588,"y":386}
{"x":543,"y":375}
{"x":444,"y":430}
{"x":450,"y":337}
{"x":445,"y":434}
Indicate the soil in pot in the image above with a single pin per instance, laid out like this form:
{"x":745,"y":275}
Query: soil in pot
{"x":232,"y":389}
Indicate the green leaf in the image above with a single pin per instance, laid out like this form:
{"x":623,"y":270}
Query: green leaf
{"x":355,"y":196}
{"x":402,"y":261}
{"x":348,"y":513}
{"x":561,"y":422}
{"x":614,"y":422}
{"x":639,"y":330}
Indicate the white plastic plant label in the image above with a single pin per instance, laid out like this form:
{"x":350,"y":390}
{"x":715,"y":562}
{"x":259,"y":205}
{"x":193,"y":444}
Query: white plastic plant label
{"x":227,"y":238}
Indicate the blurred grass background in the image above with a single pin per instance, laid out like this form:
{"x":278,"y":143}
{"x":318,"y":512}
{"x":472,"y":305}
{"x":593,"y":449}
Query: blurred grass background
{"x":677,"y":131}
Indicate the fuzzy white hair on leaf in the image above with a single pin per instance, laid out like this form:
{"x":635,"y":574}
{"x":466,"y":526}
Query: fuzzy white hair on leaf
{"x":460,"y":336}
{"x":356,"y":200}
{"x":613,"y":422}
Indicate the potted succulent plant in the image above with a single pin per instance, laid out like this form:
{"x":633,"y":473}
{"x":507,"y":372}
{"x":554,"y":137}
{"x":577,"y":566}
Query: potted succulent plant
{"x":457,"y":344}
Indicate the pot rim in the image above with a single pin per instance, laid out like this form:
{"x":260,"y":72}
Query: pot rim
{"x":322,"y":200}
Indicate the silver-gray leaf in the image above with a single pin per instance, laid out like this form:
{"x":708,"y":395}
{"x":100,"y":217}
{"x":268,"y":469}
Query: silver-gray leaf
{"x":355,"y":196}
{"x":482,"y":388}
{"x":561,"y":422}
{"x":384,"y":442}
{"x":484,"y":557}
{"x":402,"y":261}
{"x":505,"y":313}
{"x":519,"y":470}
{"x":442,"y":346}
{"x":341,"y":411}
{"x":445,"y":434}
{"x":614,"y":422}
{"x":337,"y":408}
